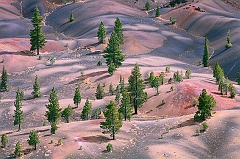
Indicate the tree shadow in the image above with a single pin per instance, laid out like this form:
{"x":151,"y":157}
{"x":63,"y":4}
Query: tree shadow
{"x":190,"y":106}
{"x":104,"y":77}
{"x":189,"y":122}
{"x":160,"y":105}
{"x":95,"y":139}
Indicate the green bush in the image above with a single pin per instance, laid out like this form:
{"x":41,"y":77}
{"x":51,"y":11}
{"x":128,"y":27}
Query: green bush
{"x":99,"y":63}
{"x":109,"y":147}
{"x":205,"y":126}
{"x":197,"y":132}
{"x":163,"y":101}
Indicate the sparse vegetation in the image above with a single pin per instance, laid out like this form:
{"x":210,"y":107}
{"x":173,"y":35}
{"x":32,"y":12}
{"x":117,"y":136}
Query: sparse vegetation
{"x":147,"y":6}
{"x":18,"y":113}
{"x":4,"y":140}
{"x":167,"y":70}
{"x":101,"y":34}
{"x":188,"y":73}
{"x":33,"y":139}
{"x":197,"y":132}
{"x":109,"y":147}
{"x":206,"y":54}
{"x":4,"y":83}
{"x":36,"y":88}
{"x":172,"y":20}
{"x":87,"y":110}
{"x":157,"y":14}
{"x":99,"y":63}
{"x":66,"y":113}
{"x":229,"y":44}
{"x":100,"y":94}
{"x":18,"y":149}
{"x":71,"y":19}
{"x":205,"y":126}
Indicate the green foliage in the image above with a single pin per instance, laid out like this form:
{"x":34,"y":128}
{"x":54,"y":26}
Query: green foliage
{"x":157,"y":14}
{"x":87,"y":110}
{"x":99,"y":63}
{"x":177,"y":77}
{"x":52,"y":60}
{"x":114,"y":56}
{"x":18,"y":149}
{"x":163,"y":101}
{"x":172,"y":20}
{"x":136,"y":88}
{"x":112,"y":124}
{"x":232,"y":90}
{"x":4,"y":140}
{"x":100,"y":94}
{"x":171,"y":88}
{"x":147,"y":6}
{"x":18,"y":113}
{"x":37,"y":38}
{"x":64,"y":1}
{"x":118,"y":89}
{"x":54,"y":111}
{"x":151,"y":79}
{"x":170,"y":80}
{"x":162,"y":79}
{"x":205,"y":126}
{"x":238,"y":78}
{"x":157,"y":83}
{"x":104,"y":84}
{"x":4,"y":83}
{"x":77,"y":97}
{"x":229,"y":44}
{"x":218,"y":73}
{"x":97,"y":113}
{"x":195,"y":101}
{"x":207,"y":103}
{"x":197,"y":132}
{"x":60,"y":141}
{"x":188,"y":73}
{"x":71,"y":19}
{"x":167,"y":69}
{"x":33,"y":139}
{"x":119,"y":30}
{"x":117,"y":98}
{"x":101,"y":34}
{"x":39,"y":57}
{"x":109,"y":147}
{"x":111,"y":89}
{"x":53,"y":128}
{"x":125,"y":107}
{"x":206,"y":54}
{"x":36,"y":88}
{"x":121,"y":84}
{"x":66,"y":113}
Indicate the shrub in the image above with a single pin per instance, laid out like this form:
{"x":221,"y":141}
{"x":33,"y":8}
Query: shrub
{"x":40,"y":57}
{"x":59,"y":141}
{"x":167,"y":69}
{"x":205,"y":126}
{"x":171,"y":88}
{"x":71,"y":19}
{"x":197,"y":132}
{"x":99,"y":63}
{"x":170,"y":80}
{"x":45,"y":123}
{"x":163,"y":101}
{"x":109,"y":147}
{"x":172,"y":20}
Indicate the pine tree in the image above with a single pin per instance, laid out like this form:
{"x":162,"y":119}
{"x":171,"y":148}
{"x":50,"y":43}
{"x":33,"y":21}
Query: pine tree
{"x":113,"y":53}
{"x":232,"y":90}
{"x":206,"y":103}
{"x":117,"y":98}
{"x":206,"y":54}
{"x":33,"y":139}
{"x":18,"y":113}
{"x":157,"y":11}
{"x":4,"y":140}
{"x":101,"y":34}
{"x":4,"y":83}
{"x":111,"y":68}
{"x":37,"y":38}
{"x":229,"y":44}
{"x":188,"y":73}
{"x":71,"y":19}
{"x":87,"y":110}
{"x":111,"y":89}
{"x":157,"y":83}
{"x":54,"y":111}
{"x":121,"y":84}
{"x":238,"y":78}
{"x":66,"y":113}
{"x":18,"y":149}
{"x":77,"y":97}
{"x":125,"y":107}
{"x":147,"y":6}
{"x":36,"y":88}
{"x":162,"y":79}
{"x":218,"y":73}
{"x":136,"y":88}
{"x":100,"y":94}
{"x":151,"y":79}
{"x":97,"y":113}
{"x":119,"y":30}
{"x":112,"y":124}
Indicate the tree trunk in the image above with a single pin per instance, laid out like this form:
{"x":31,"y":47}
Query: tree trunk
{"x":125,"y":113}
{"x":135,"y":110}
{"x":35,"y":146}
{"x":113,"y":133}
{"x":37,"y":41}
{"x":19,"y":127}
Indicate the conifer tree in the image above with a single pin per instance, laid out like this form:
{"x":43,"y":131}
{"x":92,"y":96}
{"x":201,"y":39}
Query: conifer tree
{"x":100,"y":94}
{"x":125,"y":107}
{"x":147,"y":6}
{"x":161,"y":76}
{"x":71,"y":19}
{"x":54,"y":111}
{"x":238,"y":78}
{"x":18,"y":113}
{"x":111,"y":89}
{"x":66,"y":113}
{"x":151,"y":79}
{"x":136,"y":88}
{"x":157,"y":83}
{"x":114,"y":55}
{"x":4,"y":140}
{"x":4,"y":83}
{"x":188,"y":73}
{"x":229,"y":44}
{"x":232,"y":90}
{"x":118,"y":89}
{"x":37,"y":38}
{"x":87,"y":110}
{"x":119,"y":30}
{"x":111,"y":68}
{"x":33,"y":139}
{"x":112,"y":124}
{"x":101,"y":34}
{"x":117,"y":98}
{"x":218,"y":73}
{"x":77,"y":97}
{"x":121,"y":84}
{"x":206,"y":54}
{"x":36,"y":88}
{"x":18,"y":149}
{"x":206,"y":103}
{"x":157,"y":12}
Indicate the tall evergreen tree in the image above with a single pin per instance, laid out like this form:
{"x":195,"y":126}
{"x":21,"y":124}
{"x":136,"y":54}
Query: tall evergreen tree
{"x":157,"y":83}
{"x":18,"y":149}
{"x":232,"y":90}
{"x":117,"y":98}
{"x":4,"y":83}
{"x":111,"y":68}
{"x":238,"y":78}
{"x":18,"y":113}
{"x":125,"y":107}
{"x":66,"y":113}
{"x":111,"y":89}
{"x":36,"y":88}
{"x":218,"y":73}
{"x":87,"y":110}
{"x":119,"y":30}
{"x":101,"y":34}
{"x":100,"y":94}
{"x":157,"y":14}
{"x":206,"y":103}
{"x":206,"y":54}
{"x":33,"y":139}
{"x":54,"y":111}
{"x":113,"y":53}
{"x":71,"y":19}
{"x":147,"y":6}
{"x":151,"y":79}
{"x":229,"y":44}
{"x":4,"y":140}
{"x":162,"y":79}
{"x":77,"y":97}
{"x":37,"y":38}
{"x":112,"y":124}
{"x":121,"y":84}
{"x":136,"y":88}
